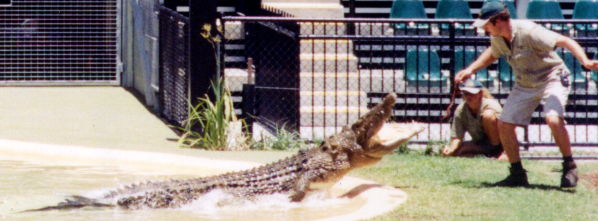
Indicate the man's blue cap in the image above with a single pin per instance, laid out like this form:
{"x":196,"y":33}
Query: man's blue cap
{"x":471,"y":86}
{"x":490,"y":8}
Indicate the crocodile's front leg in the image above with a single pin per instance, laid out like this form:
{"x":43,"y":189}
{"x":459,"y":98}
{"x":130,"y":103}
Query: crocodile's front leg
{"x":300,"y":188}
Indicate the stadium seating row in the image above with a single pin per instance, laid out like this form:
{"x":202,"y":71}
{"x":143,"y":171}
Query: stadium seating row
{"x":537,"y":9}
{"x":423,"y":68}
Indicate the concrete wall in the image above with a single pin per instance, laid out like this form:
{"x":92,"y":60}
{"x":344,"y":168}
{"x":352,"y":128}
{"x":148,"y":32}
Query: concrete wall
{"x":140,"y":49}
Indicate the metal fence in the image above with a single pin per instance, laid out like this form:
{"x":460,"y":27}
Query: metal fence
{"x":337,"y":68}
{"x":59,"y":42}
{"x":174,"y":66}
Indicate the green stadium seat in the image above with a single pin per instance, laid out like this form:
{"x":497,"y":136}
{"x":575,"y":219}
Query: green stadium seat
{"x":510,"y":5}
{"x":423,"y":68}
{"x":454,"y":9}
{"x":505,"y":75}
{"x":544,"y":9}
{"x":465,"y":57}
{"x":547,"y":9}
{"x":586,"y":9}
{"x":409,"y":9}
{"x":578,"y":78}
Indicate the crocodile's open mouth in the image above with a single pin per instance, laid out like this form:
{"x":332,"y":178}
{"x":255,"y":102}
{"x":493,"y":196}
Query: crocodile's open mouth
{"x":391,"y":133}
{"x":370,"y":124}
{"x":378,"y":138}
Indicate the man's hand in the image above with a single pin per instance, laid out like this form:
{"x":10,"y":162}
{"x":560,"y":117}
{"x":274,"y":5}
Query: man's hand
{"x":463,"y":75}
{"x":591,"y":64}
{"x":447,"y":151}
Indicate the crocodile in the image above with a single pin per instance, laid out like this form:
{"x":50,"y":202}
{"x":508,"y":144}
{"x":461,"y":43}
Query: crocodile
{"x":362,"y":144}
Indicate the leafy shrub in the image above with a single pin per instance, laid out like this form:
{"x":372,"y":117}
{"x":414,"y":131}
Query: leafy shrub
{"x":208,"y":123}
{"x":283,"y":140}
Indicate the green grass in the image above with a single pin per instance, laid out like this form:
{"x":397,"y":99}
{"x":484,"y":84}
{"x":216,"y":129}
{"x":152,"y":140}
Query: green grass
{"x":459,"y":189}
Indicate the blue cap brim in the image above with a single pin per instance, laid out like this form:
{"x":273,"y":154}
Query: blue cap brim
{"x":479,"y":23}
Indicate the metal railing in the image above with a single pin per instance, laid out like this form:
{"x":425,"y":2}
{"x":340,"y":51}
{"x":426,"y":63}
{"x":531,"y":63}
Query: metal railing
{"x":174,"y":66}
{"x":59,"y":42}
{"x":346,"y":65}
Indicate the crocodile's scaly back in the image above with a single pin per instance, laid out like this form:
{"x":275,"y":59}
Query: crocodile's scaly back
{"x":356,"y":146}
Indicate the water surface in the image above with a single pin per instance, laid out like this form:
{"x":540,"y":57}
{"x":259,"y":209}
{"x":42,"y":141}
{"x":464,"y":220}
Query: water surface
{"x":29,"y":185}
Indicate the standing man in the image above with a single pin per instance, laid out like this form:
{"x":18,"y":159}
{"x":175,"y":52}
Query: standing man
{"x":542,"y":77}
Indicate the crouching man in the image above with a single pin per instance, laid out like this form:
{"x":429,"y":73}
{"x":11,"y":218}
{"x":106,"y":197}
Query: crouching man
{"x":478,"y":116}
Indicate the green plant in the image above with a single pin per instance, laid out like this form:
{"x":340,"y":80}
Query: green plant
{"x":282,"y":140}
{"x":434,"y":148}
{"x":212,"y":118}
{"x":286,"y":140}
{"x":403,"y":149}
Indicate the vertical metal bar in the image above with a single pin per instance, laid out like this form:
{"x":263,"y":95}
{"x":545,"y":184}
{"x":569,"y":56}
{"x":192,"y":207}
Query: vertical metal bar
{"x":352,"y":8}
{"x":348,"y":77}
{"x":203,"y":67}
{"x":119,"y":26}
{"x":313,"y":80}
{"x":336,"y":92}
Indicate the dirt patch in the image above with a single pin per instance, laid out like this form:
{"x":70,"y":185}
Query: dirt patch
{"x":592,"y":179}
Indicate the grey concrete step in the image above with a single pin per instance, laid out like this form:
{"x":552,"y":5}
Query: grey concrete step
{"x":320,"y":133}
{"x":234,"y":30}
{"x":374,"y":80}
{"x":330,"y":81}
{"x":329,"y":115}
{"x":323,"y":28}
{"x":370,"y":29}
{"x":332,"y":98}
{"x":303,"y":1}
{"x":368,"y":80}
{"x":326,"y":46}
{"x":322,"y":108}
{"x":235,"y":78}
{"x":328,"y":62}
{"x":308,"y":9}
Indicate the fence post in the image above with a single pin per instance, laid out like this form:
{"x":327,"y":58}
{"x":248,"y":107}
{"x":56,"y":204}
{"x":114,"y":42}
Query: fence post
{"x":171,"y":4}
{"x":249,"y":7}
{"x":202,"y":52}
{"x":351,"y":25}
{"x":248,"y":105}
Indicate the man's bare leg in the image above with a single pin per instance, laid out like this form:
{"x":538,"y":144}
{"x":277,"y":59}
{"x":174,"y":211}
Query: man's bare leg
{"x":490,"y":125}
{"x":560,"y":133}
{"x":508,"y":138}
{"x":561,"y":138}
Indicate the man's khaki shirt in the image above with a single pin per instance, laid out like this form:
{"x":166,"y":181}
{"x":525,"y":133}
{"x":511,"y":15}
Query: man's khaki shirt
{"x":466,"y":121}
{"x":531,"y":54}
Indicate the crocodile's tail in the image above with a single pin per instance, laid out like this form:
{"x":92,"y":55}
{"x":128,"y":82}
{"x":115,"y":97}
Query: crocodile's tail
{"x":74,"y":202}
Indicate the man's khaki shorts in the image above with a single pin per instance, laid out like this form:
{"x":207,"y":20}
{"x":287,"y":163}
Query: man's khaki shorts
{"x":522,"y":102}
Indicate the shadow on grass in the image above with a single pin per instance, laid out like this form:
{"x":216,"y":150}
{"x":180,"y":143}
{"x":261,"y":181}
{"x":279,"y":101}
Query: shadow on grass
{"x":473,"y":184}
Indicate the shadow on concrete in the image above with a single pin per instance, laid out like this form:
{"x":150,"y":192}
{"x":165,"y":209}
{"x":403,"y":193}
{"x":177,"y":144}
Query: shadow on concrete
{"x":360,"y":189}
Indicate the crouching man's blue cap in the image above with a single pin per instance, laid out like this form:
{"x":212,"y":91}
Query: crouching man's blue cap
{"x":471,"y":86}
{"x":489,"y":9}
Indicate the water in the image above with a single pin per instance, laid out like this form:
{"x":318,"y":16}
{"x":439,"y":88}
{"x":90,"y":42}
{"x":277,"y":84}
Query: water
{"x":30,"y":185}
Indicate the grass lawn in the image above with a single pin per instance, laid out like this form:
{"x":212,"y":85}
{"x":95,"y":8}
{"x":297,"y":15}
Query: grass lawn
{"x":459,"y":189}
